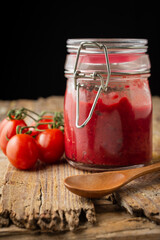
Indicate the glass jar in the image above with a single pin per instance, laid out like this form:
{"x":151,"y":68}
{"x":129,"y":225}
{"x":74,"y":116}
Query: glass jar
{"x":108,"y":106}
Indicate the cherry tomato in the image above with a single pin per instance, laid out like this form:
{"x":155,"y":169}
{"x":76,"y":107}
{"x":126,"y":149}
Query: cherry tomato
{"x":8,"y":131}
{"x":45,"y":119}
{"x":3,"y":123}
{"x":22,"y":151}
{"x":51,"y":145}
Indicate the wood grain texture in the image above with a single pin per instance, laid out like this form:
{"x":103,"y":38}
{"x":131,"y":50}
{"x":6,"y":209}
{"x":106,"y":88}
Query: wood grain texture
{"x":38,"y":199}
{"x":112,"y":223}
{"x":141,"y":197}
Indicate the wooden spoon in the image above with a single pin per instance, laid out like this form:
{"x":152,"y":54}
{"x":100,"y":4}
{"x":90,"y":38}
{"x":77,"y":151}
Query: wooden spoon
{"x":97,"y":185}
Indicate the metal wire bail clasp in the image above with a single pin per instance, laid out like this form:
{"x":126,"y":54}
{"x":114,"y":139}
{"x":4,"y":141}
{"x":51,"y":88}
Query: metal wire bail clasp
{"x":94,"y":75}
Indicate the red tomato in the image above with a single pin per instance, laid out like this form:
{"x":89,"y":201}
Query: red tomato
{"x":3,"y":123}
{"x":45,"y":119}
{"x":51,"y":145}
{"x":22,"y":151}
{"x":8,"y":131}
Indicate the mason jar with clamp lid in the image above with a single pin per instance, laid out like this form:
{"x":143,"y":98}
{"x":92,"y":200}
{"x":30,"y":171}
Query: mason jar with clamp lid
{"x":108,"y":106}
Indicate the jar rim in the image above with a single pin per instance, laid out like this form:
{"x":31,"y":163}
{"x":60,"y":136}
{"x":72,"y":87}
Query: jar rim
{"x":115,"y":45}
{"x":110,"y":55}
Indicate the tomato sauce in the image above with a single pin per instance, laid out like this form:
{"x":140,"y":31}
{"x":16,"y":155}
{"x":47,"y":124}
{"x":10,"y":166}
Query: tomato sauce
{"x":118,"y":134}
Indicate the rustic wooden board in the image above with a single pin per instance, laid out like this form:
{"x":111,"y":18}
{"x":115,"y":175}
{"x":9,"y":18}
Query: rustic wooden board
{"x":112,"y":223}
{"x":38,"y":199}
{"x":142,"y":197}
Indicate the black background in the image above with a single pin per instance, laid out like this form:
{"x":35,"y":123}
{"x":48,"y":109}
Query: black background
{"x":33,"y":41}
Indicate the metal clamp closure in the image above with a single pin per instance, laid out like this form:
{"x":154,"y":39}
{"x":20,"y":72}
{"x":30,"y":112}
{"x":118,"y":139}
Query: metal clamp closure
{"x":78,"y":74}
{"x":94,"y":75}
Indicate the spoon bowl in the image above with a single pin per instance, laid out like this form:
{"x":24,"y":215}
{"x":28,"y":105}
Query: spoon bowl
{"x":97,"y":185}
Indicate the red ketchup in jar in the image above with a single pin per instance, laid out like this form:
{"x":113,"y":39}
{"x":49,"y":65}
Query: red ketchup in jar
{"x":119,"y":132}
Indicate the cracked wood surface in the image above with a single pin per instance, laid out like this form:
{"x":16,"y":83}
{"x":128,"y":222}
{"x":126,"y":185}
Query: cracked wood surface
{"x":112,"y":221}
{"x":38,"y":199}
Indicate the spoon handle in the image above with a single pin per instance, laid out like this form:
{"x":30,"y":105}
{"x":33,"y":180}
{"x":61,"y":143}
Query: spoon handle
{"x":138,"y":172}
